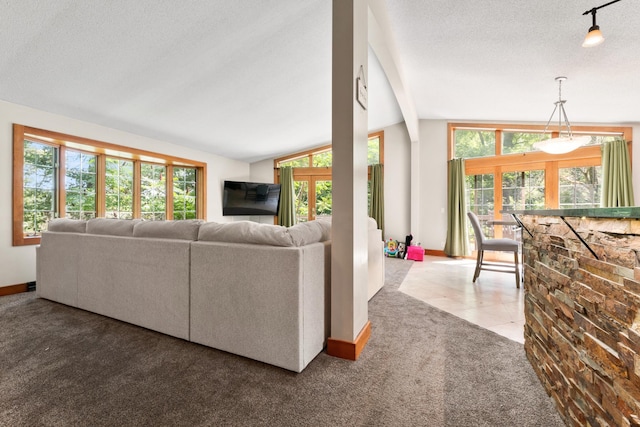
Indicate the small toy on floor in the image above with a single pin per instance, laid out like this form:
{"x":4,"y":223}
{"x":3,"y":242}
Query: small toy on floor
{"x":391,"y":248}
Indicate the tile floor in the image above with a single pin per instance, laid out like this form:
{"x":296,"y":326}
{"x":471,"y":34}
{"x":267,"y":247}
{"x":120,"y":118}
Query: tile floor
{"x":493,"y":302}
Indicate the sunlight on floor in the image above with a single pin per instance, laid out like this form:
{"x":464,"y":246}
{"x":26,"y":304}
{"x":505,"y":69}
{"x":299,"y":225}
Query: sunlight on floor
{"x":493,"y":302}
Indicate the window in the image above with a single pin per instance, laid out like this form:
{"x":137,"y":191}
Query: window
{"x":312,"y":176}
{"x":80,"y":185}
{"x":119,"y":188}
{"x":580,"y":187}
{"x":523,"y":190}
{"x":40,"y":186}
{"x":153,"y":191}
{"x":504,"y":171}
{"x":57,"y":175}
{"x":184,"y":193}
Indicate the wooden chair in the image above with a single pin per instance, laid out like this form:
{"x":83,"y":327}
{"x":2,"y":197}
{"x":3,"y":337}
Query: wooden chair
{"x":498,"y":245}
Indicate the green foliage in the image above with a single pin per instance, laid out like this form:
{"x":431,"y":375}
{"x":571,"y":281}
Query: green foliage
{"x":184,"y":193}
{"x":301,"y":200}
{"x":153,"y":200}
{"x":580,"y":187}
{"x":322,"y":160}
{"x":323,"y":198}
{"x":474,"y":143}
{"x":373,"y":151}
{"x":80,"y":185}
{"x":39,"y":188}
{"x":520,"y":142}
{"x":523,"y":190}
{"x":119,"y":188}
{"x":302,"y":162}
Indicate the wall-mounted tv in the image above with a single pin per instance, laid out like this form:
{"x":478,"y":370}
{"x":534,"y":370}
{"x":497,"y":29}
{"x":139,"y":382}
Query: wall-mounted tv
{"x":250,"y":198}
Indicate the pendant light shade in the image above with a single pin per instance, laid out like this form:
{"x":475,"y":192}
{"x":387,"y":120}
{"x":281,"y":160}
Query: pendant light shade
{"x":565,"y":141}
{"x":562,"y":144}
{"x":594,"y":37}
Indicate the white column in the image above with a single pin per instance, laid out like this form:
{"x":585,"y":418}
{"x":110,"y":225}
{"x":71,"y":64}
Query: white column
{"x":349,"y":138}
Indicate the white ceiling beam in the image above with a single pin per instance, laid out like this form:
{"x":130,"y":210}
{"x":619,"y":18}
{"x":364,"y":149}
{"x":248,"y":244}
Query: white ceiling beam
{"x":383,"y":45}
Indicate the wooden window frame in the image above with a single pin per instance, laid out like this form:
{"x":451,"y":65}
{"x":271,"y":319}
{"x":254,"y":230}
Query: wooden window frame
{"x":102,"y":150}
{"x":312,"y":173}
{"x":590,"y":155}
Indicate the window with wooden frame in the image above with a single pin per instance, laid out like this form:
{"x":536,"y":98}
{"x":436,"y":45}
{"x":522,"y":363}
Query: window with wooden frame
{"x":64,"y":176}
{"x":505,"y":172}
{"x":312,"y":174}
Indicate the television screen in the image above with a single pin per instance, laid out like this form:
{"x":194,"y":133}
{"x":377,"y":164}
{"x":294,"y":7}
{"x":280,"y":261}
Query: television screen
{"x":250,"y":198}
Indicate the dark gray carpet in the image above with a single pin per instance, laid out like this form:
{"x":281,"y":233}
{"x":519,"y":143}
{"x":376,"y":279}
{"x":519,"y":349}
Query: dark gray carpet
{"x":421,"y":367}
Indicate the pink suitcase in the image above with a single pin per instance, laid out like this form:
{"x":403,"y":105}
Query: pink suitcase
{"x":415,"y":253}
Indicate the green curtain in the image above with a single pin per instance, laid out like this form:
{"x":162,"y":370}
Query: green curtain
{"x":287,"y":211}
{"x":457,"y":237}
{"x":376,"y":209}
{"x":617,"y":187}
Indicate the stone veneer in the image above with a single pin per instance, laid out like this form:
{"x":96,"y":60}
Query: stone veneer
{"x":582,"y":330}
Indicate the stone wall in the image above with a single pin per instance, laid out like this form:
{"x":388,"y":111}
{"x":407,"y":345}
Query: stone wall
{"x":582,"y":330}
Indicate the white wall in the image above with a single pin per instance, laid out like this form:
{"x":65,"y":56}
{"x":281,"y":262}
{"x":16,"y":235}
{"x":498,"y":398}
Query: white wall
{"x":433,"y":183}
{"x":17,"y":264}
{"x":397,"y":183}
{"x":261,"y":171}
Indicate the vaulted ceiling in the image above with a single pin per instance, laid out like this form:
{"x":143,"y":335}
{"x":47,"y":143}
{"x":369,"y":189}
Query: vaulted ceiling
{"x":251,"y":79}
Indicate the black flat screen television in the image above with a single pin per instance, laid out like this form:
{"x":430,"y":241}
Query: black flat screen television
{"x":250,"y":198}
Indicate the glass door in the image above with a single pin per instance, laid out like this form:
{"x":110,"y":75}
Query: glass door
{"x":313,"y":197}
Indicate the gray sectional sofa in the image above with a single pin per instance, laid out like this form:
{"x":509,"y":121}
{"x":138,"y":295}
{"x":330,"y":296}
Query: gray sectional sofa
{"x":256,"y":290}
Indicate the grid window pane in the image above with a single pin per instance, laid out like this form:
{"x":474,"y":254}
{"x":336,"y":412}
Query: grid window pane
{"x":119,"y":188}
{"x":580,"y":187}
{"x":321,"y":160}
{"x":480,"y":200}
{"x":39,"y":186}
{"x":474,"y":143}
{"x":153,"y":195}
{"x":301,"y":189}
{"x":80,"y":183}
{"x":302,"y":162}
{"x":184,"y":193}
{"x":523,"y":190}
{"x":373,"y":151}
{"x":520,"y":142}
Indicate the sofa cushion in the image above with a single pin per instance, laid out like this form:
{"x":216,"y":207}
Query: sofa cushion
{"x":245,"y":232}
{"x":306,"y":233}
{"x":111,"y":226}
{"x":67,"y":225}
{"x":182,"y":229}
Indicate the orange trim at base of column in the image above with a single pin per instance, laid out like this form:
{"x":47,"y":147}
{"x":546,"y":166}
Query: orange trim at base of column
{"x":349,"y":350}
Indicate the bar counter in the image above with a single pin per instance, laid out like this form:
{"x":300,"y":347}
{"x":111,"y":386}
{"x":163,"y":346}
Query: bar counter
{"x":582,"y":310}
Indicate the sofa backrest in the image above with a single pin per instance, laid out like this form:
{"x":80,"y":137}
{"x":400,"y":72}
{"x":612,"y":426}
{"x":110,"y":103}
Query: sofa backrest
{"x":67,"y":225}
{"x":111,"y":226}
{"x":232,"y":232}
{"x":181,"y":230}
{"x":265,"y":234}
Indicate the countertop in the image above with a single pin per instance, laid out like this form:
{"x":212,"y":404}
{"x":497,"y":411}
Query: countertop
{"x":626,"y":212}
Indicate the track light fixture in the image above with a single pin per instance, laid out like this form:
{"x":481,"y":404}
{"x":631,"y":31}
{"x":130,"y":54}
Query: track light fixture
{"x":594,"y":36}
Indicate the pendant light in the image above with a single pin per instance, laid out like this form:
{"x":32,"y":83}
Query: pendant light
{"x":566,"y":142}
{"x":594,"y":36}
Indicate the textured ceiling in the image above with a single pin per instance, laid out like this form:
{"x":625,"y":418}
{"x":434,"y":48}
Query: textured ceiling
{"x":252,"y":79}
{"x":497,"y":60}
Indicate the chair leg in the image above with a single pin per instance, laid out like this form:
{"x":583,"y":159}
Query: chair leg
{"x":515,"y":258}
{"x":478,"y":264}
